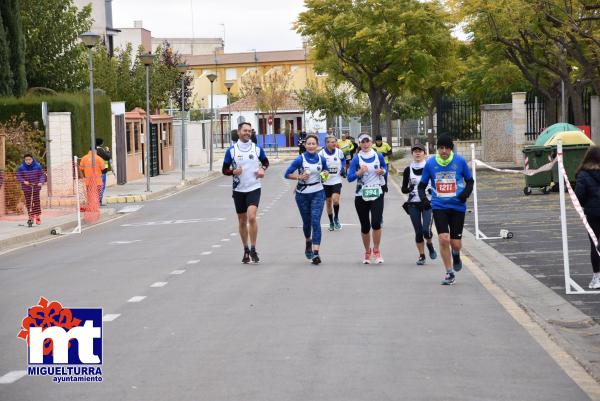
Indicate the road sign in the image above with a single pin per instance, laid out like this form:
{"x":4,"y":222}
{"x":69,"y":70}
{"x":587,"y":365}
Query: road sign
{"x":270,"y":120}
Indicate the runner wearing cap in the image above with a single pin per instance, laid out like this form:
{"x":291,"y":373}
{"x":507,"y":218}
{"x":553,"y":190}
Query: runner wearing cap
{"x":386,"y":150}
{"x":452,"y":184}
{"x":369,"y":168}
{"x":333,"y":186}
{"x":420,"y":216}
{"x":310,"y":169}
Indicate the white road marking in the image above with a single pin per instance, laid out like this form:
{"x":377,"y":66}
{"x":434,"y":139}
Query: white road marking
{"x":176,"y":272}
{"x":233,"y":234}
{"x":130,"y":209}
{"x":109,"y":317}
{"x":166,"y":222}
{"x":137,"y":298}
{"x":216,"y":246}
{"x":192,"y":262}
{"x":225,"y":240}
{"x":12,"y":377}
{"x":124,"y":242}
{"x":206,"y":253}
{"x":158,"y":284}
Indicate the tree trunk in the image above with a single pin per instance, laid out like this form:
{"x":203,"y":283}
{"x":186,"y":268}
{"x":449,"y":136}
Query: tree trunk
{"x":376,"y":99}
{"x":575,"y":96}
{"x":388,"y":122}
{"x":430,"y":125}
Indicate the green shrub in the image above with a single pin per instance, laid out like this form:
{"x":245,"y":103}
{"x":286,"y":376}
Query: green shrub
{"x":30,"y":107}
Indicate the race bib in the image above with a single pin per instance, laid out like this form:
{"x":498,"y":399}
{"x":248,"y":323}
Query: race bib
{"x":333,"y":170}
{"x":445,"y":187}
{"x":370,"y":193}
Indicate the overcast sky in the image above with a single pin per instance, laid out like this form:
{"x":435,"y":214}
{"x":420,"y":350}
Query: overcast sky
{"x":258,"y":24}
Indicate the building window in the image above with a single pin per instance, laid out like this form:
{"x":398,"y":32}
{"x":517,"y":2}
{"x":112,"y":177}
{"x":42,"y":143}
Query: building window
{"x":230,"y":74}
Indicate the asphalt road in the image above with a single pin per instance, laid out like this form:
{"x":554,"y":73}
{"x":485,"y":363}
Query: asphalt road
{"x":281,"y":330}
{"x":537,"y":243}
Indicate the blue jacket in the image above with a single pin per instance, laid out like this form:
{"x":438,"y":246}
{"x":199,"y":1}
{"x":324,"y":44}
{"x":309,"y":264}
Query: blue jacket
{"x":587,"y":189}
{"x":33,"y":173}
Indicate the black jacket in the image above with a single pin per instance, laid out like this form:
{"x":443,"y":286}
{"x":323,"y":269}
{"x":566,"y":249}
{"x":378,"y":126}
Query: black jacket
{"x":587,"y":189}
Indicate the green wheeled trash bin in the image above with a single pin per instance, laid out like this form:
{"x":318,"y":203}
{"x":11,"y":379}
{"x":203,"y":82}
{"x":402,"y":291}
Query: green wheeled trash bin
{"x":572,"y":157}
{"x":536,"y":157}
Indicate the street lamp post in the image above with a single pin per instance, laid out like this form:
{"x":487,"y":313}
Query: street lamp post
{"x":90,"y":39}
{"x":182,"y":68}
{"x":257,"y":90}
{"x":211,"y":78}
{"x":228,"y":85}
{"x":147,"y":59}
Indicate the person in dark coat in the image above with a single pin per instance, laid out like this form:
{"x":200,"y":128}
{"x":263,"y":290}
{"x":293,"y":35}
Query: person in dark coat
{"x":32,"y":177}
{"x":587,"y":189}
{"x":106,"y":155}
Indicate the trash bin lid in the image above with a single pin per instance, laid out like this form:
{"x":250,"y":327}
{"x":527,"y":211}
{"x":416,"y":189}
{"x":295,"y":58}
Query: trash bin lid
{"x":570,"y":138}
{"x":549,"y":132}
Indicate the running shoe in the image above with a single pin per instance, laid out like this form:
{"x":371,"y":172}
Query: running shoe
{"x":449,"y":279}
{"x":308,"y":251}
{"x":377,"y":256}
{"x":331,"y":227}
{"x":456,"y":262}
{"x":367,"y":259}
{"x":254,"y":256}
{"x":337,"y":224}
{"x":38,"y":220}
{"x":316,"y":260}
{"x":595,"y":283}
{"x":432,"y":252}
{"x":246,"y":258}
{"x":421,"y":260}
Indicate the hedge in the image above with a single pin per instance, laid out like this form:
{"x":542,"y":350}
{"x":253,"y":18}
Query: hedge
{"x":77,"y":104}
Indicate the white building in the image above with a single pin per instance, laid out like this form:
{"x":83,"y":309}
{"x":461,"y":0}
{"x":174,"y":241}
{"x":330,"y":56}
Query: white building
{"x":137,"y":36}
{"x":102,"y":20}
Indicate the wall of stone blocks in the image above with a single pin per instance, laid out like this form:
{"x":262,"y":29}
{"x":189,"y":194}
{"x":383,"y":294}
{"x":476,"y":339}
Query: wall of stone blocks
{"x":497,"y":132}
{"x":463,"y":148}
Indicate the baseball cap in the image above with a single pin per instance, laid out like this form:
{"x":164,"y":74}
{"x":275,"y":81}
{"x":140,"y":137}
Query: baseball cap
{"x":361,"y":137}
{"x":417,"y":146}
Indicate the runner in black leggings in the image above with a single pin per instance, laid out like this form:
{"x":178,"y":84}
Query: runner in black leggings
{"x":587,"y":190}
{"x":369,"y":168}
{"x":420,"y":216}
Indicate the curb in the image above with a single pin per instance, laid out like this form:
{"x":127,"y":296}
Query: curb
{"x":135,"y":198}
{"x":574,"y":331}
{"x":43,"y":232}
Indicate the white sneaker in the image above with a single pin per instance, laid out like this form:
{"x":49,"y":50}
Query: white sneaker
{"x":595,"y":283}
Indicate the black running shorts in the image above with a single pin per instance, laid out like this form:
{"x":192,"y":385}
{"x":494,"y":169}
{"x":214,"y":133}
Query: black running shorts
{"x":449,"y":221}
{"x":332,"y":189}
{"x":244,"y":199}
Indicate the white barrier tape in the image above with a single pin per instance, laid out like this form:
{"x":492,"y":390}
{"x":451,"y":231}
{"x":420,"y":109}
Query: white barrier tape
{"x":575,"y":202}
{"x":545,"y":167}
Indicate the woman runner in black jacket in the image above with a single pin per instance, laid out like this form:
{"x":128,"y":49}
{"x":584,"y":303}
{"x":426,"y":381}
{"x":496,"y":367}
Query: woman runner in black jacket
{"x":587,"y":189}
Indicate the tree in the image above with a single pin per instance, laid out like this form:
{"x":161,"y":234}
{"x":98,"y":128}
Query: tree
{"x":381,"y":47}
{"x":54,"y":57}
{"x":11,"y":19}
{"x":274,"y":89}
{"x":6,"y":81}
{"x":328,"y":98}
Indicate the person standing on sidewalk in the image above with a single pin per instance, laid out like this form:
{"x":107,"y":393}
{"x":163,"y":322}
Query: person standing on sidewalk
{"x":93,"y":179}
{"x":310,"y":169}
{"x":368,"y":168}
{"x":31,"y":176}
{"x":587,"y":189}
{"x":247,"y":163}
{"x":333,"y":186}
{"x":420,"y":216}
{"x":452,"y":184}
{"x":106,"y":155}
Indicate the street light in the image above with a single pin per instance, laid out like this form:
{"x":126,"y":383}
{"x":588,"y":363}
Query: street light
{"x":147,"y":59}
{"x":228,"y":85}
{"x":257,"y":90}
{"x":211,"y":77}
{"x":90,"y":39}
{"x":182,"y":68}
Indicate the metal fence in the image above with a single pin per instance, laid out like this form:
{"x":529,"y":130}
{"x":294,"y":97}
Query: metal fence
{"x":536,"y":115}
{"x":459,"y":118}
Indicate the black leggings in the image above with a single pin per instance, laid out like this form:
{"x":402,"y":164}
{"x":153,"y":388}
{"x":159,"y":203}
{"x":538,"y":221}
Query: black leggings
{"x":594,"y":222}
{"x":363,"y":208}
